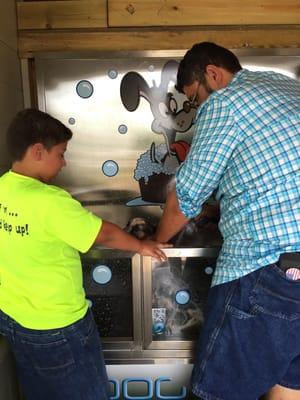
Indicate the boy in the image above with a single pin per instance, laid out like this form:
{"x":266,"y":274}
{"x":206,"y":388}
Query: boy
{"x":43,"y":310}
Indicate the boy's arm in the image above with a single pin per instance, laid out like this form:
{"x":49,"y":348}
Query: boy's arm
{"x":111,"y":235}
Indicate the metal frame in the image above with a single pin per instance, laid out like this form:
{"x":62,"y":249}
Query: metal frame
{"x":142,"y":349}
{"x":174,"y":346}
{"x":162,"y":53}
{"x":119,"y":344}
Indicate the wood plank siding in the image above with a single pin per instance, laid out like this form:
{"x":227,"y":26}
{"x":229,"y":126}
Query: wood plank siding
{"x":202,"y":12}
{"x":62,"y":14}
{"x":116,"y":25}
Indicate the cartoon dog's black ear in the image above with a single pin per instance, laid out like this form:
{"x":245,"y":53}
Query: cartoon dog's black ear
{"x":168,"y":73}
{"x":132,"y":87}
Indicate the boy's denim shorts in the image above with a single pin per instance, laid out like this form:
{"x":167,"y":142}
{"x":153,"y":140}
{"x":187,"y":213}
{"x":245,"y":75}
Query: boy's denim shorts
{"x":251,"y":338}
{"x":58,"y":364}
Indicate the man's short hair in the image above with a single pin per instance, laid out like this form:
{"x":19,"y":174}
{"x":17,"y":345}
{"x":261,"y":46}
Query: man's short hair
{"x":193,"y":65}
{"x":32,"y":126}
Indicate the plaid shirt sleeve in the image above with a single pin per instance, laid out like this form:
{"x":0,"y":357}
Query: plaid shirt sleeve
{"x":214,"y":140}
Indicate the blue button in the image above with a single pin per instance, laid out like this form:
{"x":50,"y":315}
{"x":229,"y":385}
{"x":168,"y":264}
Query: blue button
{"x":102,"y":274}
{"x":182,"y":297}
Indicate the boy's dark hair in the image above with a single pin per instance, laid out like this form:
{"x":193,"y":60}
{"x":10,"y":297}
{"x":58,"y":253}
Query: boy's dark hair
{"x":193,"y":65}
{"x":32,"y":126}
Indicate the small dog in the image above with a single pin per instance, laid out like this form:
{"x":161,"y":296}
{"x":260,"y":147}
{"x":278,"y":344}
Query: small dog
{"x":140,"y":228}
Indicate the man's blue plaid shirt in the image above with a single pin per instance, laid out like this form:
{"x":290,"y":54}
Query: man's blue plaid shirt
{"x":246,"y":147}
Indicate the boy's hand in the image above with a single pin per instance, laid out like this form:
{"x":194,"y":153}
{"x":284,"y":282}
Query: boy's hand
{"x":153,"y":249}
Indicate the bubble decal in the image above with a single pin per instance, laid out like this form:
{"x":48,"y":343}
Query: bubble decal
{"x":112,"y":73}
{"x":72,"y":121}
{"x":122,"y":129}
{"x":102,"y":274}
{"x":182,"y":297}
{"x":110,"y":168}
{"x":209,"y":270}
{"x":84,"y":89}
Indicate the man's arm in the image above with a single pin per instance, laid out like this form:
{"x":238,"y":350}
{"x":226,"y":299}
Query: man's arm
{"x":172,"y":220}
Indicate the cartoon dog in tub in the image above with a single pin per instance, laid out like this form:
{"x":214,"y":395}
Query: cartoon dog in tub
{"x":156,"y":167}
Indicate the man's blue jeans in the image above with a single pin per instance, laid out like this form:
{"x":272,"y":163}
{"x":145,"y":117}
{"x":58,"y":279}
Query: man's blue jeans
{"x":58,"y":364}
{"x":251,"y":337}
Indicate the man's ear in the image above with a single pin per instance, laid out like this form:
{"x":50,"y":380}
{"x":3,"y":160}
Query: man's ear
{"x":36,"y":151}
{"x":214,"y":74}
{"x":217,"y":77}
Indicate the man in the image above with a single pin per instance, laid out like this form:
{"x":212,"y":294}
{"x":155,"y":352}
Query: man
{"x":246,"y":149}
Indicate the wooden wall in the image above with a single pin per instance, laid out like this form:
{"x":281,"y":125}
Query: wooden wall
{"x":11,"y":93}
{"x":57,"y":25}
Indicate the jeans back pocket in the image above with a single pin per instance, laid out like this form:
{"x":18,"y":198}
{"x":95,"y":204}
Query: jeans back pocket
{"x":276,"y":295}
{"x":50,"y":354}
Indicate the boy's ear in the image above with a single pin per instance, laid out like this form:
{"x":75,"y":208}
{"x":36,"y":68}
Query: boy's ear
{"x":37,"y":150}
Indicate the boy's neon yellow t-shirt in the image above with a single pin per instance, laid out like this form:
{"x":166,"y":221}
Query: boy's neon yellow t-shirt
{"x":42,"y":228}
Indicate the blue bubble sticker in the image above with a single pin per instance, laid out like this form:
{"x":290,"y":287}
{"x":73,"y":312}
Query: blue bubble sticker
{"x":209,"y":270}
{"x":112,"y":73}
{"x":182,"y":297}
{"x":122,"y":129}
{"x":102,"y":274}
{"x":84,"y":89}
{"x":110,"y":168}
{"x":71,"y":121}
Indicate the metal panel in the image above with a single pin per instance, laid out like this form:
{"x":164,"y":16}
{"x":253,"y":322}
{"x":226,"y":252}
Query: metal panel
{"x":107,"y":135}
{"x":108,"y":138}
